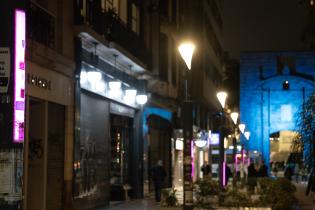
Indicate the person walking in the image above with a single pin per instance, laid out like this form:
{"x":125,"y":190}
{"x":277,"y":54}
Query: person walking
{"x":158,"y":175}
{"x":205,"y":169}
{"x":263,"y":170}
{"x":311,"y":184}
{"x":251,"y":177}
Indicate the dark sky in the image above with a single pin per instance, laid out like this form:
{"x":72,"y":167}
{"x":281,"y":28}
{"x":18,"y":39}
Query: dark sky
{"x":255,"y":25}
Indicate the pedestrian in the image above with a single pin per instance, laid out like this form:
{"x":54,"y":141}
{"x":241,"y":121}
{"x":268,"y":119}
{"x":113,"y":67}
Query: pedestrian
{"x":296,"y":172}
{"x":311,"y":183}
{"x":263,"y":170}
{"x":288,"y":172}
{"x":303,"y":174}
{"x":251,"y":177}
{"x":205,"y":168}
{"x":228,"y":173}
{"x":158,"y":175}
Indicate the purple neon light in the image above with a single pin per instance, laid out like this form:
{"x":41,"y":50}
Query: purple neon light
{"x":19,"y":76}
{"x":223,"y":174}
{"x":192,"y":159}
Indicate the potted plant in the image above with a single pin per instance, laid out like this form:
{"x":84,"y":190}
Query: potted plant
{"x":169,"y":199}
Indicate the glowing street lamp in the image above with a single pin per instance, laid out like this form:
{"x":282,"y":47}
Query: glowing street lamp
{"x":247,"y":134}
{"x":222,"y":98}
{"x":234,"y":116}
{"x":186,"y":50}
{"x":241,"y":127}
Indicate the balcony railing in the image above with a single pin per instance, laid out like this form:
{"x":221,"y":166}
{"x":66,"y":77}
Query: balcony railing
{"x":108,"y":24}
{"x":40,"y":26}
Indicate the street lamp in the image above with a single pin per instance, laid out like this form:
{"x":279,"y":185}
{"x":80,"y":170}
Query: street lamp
{"x":186,"y":50}
{"x":222,"y":98}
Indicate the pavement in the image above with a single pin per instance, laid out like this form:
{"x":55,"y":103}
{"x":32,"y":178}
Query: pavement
{"x":305,"y":202}
{"x":141,"y":204}
{"x":148,"y":203}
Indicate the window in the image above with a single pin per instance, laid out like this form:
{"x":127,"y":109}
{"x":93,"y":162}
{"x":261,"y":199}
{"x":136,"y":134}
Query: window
{"x":123,"y":11}
{"x":286,"y":113}
{"x":163,"y":57}
{"x":135,"y":18}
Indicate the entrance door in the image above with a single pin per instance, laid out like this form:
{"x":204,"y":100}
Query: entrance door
{"x":45,"y":155}
{"x":55,"y":156}
{"x":36,"y":164}
{"x":121,"y":138}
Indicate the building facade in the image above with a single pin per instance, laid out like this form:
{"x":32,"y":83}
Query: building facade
{"x":274,"y":86}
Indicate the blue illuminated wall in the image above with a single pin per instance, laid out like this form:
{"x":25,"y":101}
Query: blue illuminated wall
{"x":265,"y":106}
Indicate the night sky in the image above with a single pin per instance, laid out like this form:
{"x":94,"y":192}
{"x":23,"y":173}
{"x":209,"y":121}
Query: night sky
{"x":256,"y":25}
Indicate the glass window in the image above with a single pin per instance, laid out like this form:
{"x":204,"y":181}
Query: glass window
{"x":123,"y":11}
{"x":135,"y":18}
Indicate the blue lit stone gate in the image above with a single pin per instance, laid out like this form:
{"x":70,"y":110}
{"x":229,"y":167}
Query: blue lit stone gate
{"x":273,"y":87}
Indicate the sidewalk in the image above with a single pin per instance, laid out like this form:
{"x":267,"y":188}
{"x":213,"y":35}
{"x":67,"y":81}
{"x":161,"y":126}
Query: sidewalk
{"x":141,"y":204}
{"x":305,"y":202}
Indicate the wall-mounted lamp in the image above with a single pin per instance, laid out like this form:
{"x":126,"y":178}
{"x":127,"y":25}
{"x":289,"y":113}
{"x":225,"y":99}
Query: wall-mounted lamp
{"x":130,"y":96}
{"x":141,"y":99}
{"x":94,"y":76}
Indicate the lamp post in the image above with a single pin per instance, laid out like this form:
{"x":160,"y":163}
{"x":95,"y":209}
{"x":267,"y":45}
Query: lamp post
{"x":234,"y":116}
{"x":186,"y":51}
{"x":222,"y":98}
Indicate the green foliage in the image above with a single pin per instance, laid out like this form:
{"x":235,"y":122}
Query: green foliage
{"x":169,"y":197}
{"x":206,"y":192}
{"x":279,"y":193}
{"x":306,"y":129}
{"x":235,"y":198}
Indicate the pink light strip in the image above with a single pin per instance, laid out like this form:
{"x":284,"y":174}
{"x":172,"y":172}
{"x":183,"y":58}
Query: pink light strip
{"x":19,"y":76}
{"x":192,"y":159}
{"x":223,"y":174}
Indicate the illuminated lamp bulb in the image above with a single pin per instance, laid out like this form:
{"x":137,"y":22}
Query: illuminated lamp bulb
{"x":141,"y":99}
{"x":241,"y":127}
{"x":94,"y":76}
{"x":114,"y":85}
{"x":222,"y":98}
{"x":234,"y":116}
{"x":130,"y":96}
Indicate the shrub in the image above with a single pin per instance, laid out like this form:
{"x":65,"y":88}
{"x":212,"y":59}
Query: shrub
{"x":279,"y":193}
{"x":169,"y":197}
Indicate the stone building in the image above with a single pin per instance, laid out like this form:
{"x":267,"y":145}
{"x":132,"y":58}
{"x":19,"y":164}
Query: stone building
{"x":273,"y":88}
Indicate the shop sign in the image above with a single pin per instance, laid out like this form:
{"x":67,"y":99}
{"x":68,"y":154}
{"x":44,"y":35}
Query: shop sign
{"x":38,"y":81}
{"x":121,"y":110}
{"x":4,"y":69}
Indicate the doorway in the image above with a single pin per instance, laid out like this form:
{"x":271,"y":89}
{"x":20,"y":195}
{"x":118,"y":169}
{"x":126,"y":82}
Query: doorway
{"x":280,"y":149}
{"x":46,"y":137}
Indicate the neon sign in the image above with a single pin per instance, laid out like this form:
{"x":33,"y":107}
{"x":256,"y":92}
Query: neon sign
{"x":19,"y":76}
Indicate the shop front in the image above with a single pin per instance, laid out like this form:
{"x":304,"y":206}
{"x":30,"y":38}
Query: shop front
{"x":48,"y":109}
{"x":108,"y":141}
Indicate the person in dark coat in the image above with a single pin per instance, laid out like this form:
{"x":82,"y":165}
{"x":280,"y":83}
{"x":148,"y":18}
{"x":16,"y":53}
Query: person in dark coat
{"x":311,"y":183}
{"x":205,"y":168}
{"x":251,"y":177}
{"x":158,"y":175}
{"x":263,"y":170}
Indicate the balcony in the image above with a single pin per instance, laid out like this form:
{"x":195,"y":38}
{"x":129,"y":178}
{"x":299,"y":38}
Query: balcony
{"x":108,"y":25}
{"x":40,"y":26}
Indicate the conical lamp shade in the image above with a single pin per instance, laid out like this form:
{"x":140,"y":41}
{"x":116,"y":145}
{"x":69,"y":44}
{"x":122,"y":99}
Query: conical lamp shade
{"x":186,"y":50}
{"x":247,"y":134}
{"x":222,"y":97}
{"x":241,"y":127}
{"x":234,"y":116}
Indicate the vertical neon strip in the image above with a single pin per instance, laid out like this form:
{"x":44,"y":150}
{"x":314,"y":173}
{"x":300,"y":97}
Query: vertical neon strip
{"x":19,"y":76}
{"x":223,"y":174}
{"x":192,"y":159}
